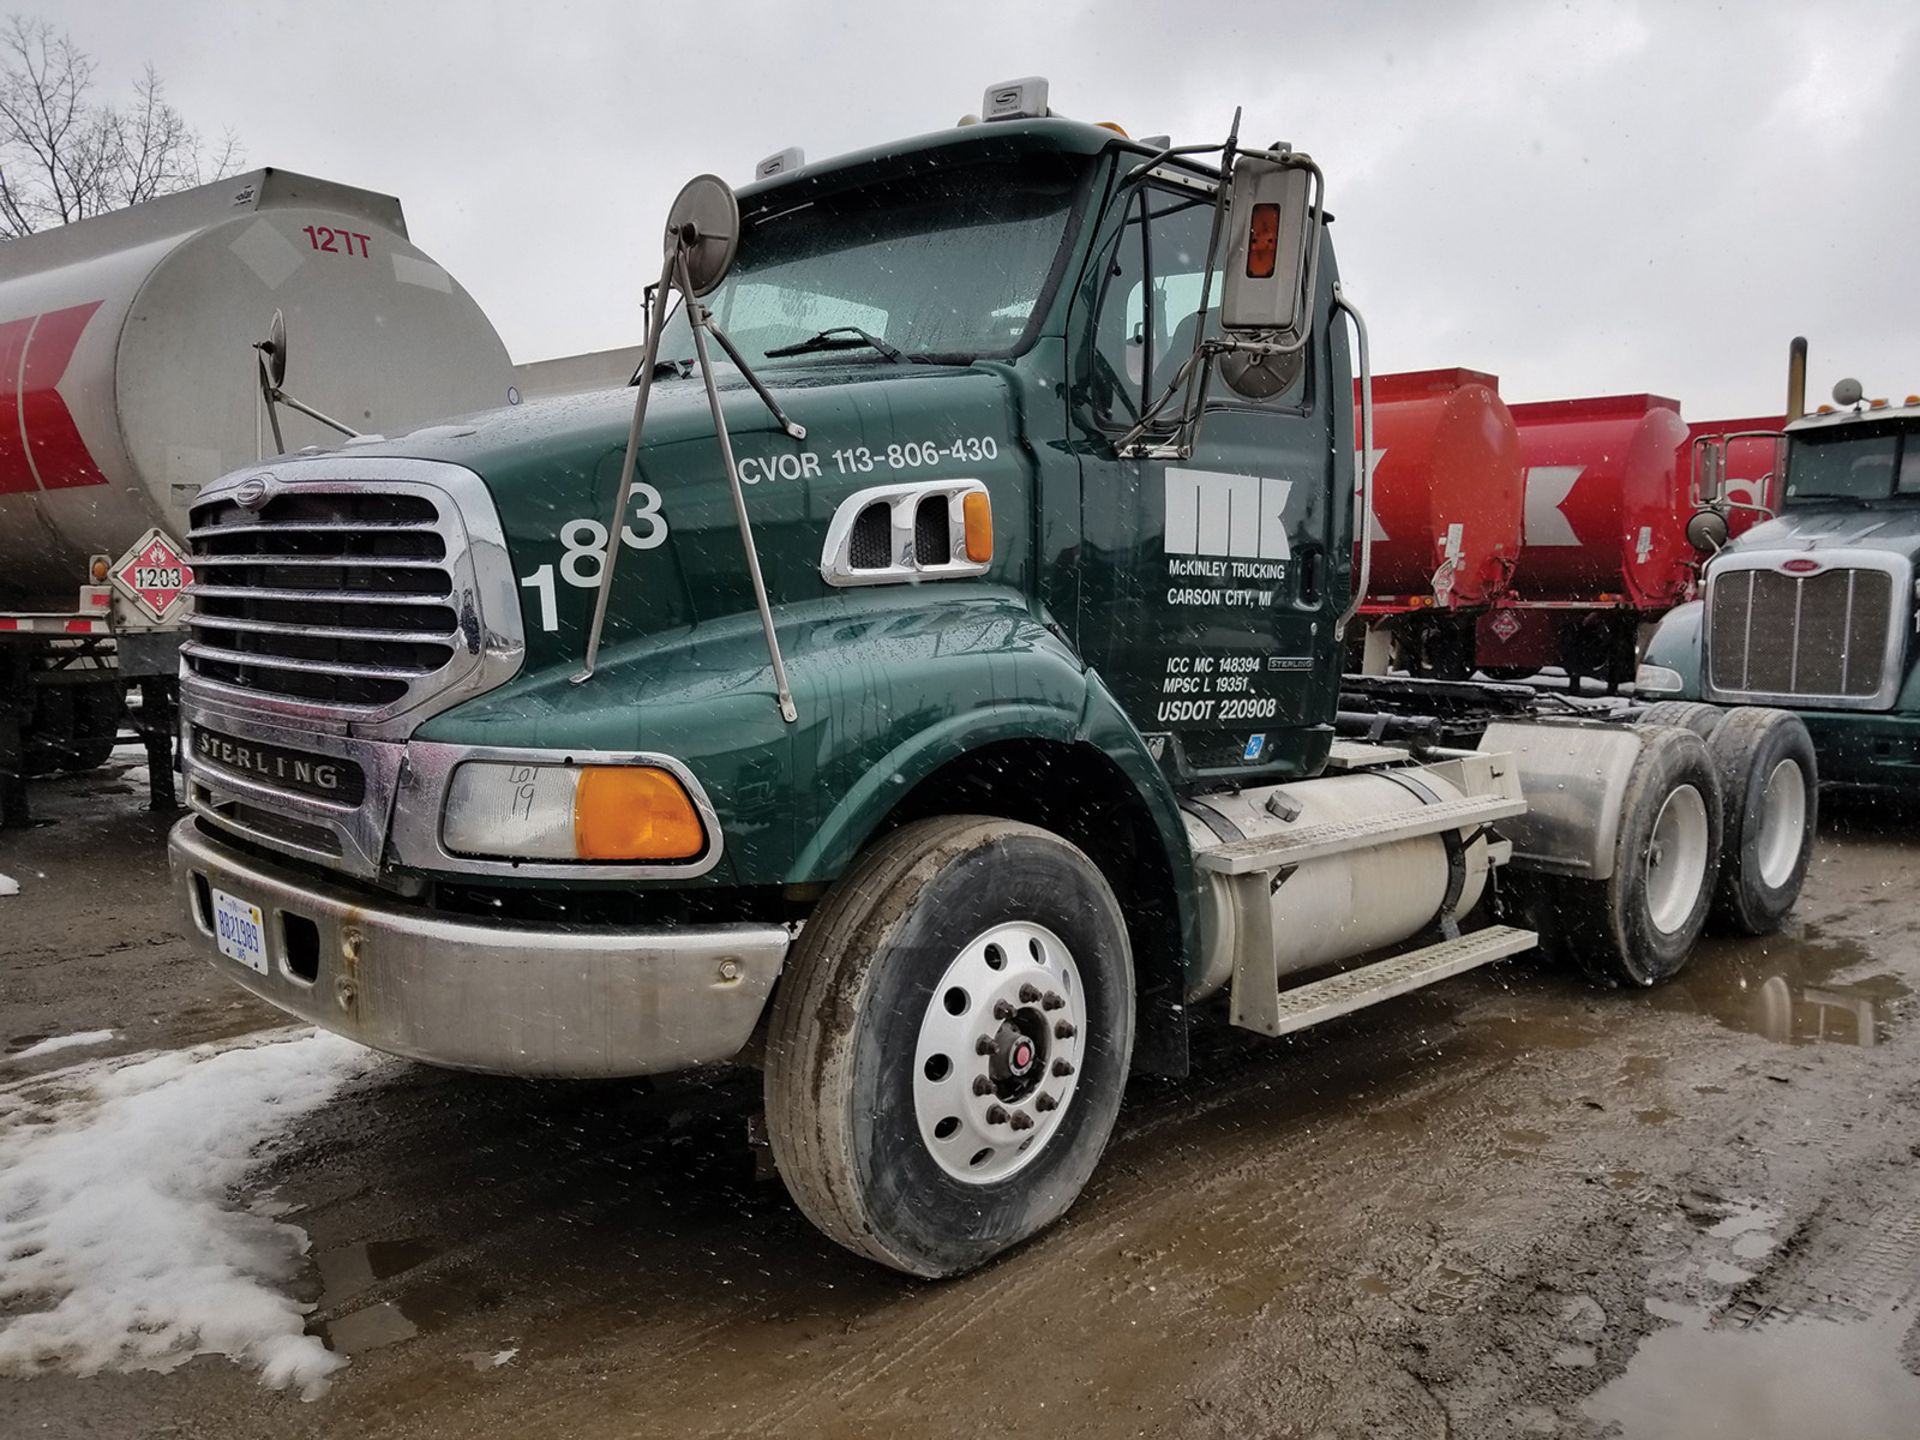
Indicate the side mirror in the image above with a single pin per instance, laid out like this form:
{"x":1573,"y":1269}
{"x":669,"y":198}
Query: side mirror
{"x":1269,"y":253}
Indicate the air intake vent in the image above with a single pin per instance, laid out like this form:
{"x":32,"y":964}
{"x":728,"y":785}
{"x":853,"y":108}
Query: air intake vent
{"x":871,"y":545}
{"x":932,"y":532}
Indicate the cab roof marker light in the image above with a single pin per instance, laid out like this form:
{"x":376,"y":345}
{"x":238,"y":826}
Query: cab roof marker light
{"x":780,"y":162}
{"x":1024,"y":99}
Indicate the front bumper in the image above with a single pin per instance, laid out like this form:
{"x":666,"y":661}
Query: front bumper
{"x":509,"y":999}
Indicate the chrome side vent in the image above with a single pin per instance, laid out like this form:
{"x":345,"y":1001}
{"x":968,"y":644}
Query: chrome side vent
{"x":924,"y":530}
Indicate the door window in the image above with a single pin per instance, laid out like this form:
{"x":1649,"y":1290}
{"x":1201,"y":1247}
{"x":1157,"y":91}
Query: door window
{"x":1150,"y":312}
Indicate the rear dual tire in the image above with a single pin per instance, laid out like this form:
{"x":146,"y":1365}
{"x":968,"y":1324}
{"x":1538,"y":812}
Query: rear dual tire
{"x":1640,"y":925}
{"x":1769,"y":800}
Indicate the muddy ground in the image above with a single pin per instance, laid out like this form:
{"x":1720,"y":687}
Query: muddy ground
{"x":1511,"y":1206}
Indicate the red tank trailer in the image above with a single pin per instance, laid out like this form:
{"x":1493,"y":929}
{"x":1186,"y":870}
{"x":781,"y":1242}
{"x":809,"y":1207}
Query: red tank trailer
{"x":1604,"y":547}
{"x":1447,"y":493}
{"x":1447,"y":490}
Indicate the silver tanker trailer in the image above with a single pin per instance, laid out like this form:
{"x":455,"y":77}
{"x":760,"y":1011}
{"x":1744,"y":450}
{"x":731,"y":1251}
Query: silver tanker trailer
{"x":146,"y":352}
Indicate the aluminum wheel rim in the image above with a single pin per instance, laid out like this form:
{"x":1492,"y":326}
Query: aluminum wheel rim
{"x":1783,"y":823}
{"x":1677,"y":859}
{"x":986,"y":1108}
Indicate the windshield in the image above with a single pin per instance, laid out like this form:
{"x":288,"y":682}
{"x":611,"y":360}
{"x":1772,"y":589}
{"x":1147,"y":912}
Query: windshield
{"x":951,"y":262}
{"x":1850,"y":465}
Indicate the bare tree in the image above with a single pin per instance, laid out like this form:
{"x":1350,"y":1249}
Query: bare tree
{"x":65,"y":156}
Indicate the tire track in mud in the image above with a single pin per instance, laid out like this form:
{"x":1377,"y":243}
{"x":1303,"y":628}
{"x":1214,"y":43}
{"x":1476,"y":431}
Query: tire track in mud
{"x":1242,"y":1207}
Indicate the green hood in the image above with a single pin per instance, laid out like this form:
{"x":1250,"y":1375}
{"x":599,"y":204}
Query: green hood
{"x":1891,"y":528}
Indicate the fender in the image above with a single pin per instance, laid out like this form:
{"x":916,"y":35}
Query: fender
{"x":1675,"y":646}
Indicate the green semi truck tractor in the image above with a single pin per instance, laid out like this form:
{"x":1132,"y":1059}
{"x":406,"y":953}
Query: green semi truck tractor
{"x":922,"y":684}
{"x":1815,"y":609}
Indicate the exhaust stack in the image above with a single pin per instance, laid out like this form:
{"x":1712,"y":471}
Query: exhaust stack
{"x":1797,"y":378}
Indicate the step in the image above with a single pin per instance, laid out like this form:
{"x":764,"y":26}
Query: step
{"x":1310,"y":842}
{"x":1285,"y":1011}
{"x":1347,"y":755}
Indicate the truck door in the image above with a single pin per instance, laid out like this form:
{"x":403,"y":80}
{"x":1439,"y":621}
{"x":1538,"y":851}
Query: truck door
{"x":1210,"y":586}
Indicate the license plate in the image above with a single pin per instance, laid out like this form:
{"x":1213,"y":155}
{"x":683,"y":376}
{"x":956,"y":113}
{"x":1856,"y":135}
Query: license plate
{"x":240,"y":930}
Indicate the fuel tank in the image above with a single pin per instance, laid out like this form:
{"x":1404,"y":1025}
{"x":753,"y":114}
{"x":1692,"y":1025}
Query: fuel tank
{"x":1345,"y":904}
{"x":1447,"y":491}
{"x":1607,"y":501}
{"x":127,"y":377}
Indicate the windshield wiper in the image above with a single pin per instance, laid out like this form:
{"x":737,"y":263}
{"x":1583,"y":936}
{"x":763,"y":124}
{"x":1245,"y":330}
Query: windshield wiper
{"x":839,"y":337}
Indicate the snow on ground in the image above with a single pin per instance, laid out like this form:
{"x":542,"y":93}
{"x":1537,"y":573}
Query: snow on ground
{"x":61,"y":1042}
{"x":9,"y":885}
{"x":125,"y":1240}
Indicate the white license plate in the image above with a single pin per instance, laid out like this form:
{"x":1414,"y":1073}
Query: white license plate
{"x":240,"y":930}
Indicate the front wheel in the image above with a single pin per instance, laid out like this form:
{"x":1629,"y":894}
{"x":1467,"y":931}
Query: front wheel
{"x":949,"y":1043}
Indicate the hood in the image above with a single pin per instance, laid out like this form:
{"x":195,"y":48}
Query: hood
{"x":553,"y":470}
{"x":1893,"y":530}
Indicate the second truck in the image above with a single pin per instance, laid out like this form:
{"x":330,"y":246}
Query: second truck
{"x":961,"y":723}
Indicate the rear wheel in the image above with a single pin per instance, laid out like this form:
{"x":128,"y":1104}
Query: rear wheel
{"x":949,"y":1043}
{"x":1692,"y":715}
{"x":1768,"y":782}
{"x":1640,"y":925}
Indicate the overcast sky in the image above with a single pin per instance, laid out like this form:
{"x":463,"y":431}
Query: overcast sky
{"x":1580,"y":198}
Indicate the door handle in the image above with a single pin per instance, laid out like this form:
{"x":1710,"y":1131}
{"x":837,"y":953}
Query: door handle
{"x":1311,"y":560}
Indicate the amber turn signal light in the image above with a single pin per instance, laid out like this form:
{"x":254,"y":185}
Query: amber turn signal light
{"x":978,"y":510}
{"x":634,"y":812}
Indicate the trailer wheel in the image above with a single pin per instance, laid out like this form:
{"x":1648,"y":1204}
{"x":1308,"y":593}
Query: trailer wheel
{"x":1640,"y":925}
{"x":1692,"y":715}
{"x":1770,"y":802}
{"x":949,"y":1043}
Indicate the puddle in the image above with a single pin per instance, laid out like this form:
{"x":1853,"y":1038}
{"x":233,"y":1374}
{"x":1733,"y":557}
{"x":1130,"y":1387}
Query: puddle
{"x":1788,"y":1380}
{"x":347,"y":1270}
{"x":1782,"y":989}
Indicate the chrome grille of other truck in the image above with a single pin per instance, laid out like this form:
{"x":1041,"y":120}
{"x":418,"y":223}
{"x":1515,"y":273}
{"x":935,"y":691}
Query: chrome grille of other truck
{"x":1832,"y":636}
{"x":333,"y":613}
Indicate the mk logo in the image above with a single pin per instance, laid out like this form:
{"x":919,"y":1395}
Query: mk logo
{"x":1244,"y":516}
{"x":39,"y":445}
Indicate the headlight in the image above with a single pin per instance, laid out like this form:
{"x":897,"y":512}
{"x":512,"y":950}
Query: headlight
{"x":1658,"y":680}
{"x":570,"y":812}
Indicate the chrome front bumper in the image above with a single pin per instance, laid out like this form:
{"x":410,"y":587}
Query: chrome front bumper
{"x":476,"y":996}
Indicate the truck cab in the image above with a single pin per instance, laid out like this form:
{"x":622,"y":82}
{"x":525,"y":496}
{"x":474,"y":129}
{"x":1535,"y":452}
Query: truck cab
{"x":1814,"y":609}
{"x":935,"y":702}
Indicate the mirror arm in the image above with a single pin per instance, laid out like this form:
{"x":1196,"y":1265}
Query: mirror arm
{"x":701,"y":321}
{"x":656,"y":323}
{"x":273,"y":411}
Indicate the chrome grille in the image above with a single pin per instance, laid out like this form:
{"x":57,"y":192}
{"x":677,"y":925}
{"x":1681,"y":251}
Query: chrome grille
{"x":340,"y":597}
{"x":1826,"y":636}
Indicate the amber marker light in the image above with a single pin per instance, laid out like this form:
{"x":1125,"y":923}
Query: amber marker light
{"x":99,"y":567}
{"x":1263,"y":241}
{"x":634,"y":812}
{"x":978,"y":510}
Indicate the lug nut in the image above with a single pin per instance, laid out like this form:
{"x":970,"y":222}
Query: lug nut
{"x":1063,"y":1030}
{"x":996,"y":1115}
{"x":1063,"y":1068}
{"x":1022,"y":1120}
{"x":1045,"y":1102}
{"x":1002,"y":1010}
{"x":984,"y":1045}
{"x":1051,"y":1001}
{"x":982,"y":1085}
{"x":1029,"y":994}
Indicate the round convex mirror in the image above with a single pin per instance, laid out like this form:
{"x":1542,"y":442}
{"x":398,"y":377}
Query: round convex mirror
{"x":275,"y":350}
{"x":707,"y":218}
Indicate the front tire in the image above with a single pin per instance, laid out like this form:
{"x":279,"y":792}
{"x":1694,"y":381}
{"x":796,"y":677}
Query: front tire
{"x":949,"y":1043}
